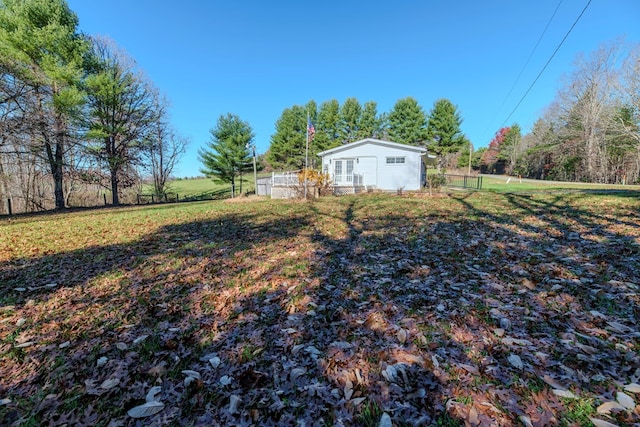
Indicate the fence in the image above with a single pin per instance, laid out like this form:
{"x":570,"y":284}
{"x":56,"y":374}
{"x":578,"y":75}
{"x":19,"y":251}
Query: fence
{"x":143,"y":199}
{"x":463,"y":181}
{"x":285,"y":179}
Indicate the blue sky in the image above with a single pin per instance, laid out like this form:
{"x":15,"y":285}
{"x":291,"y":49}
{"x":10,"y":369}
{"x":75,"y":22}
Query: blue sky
{"x":256,"y":58}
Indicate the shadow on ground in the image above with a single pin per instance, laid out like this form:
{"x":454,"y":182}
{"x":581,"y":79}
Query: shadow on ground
{"x":332,"y":313}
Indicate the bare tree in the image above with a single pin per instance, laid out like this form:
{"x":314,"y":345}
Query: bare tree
{"x":588,"y":103}
{"x":163,"y":150}
{"x":122,"y":112}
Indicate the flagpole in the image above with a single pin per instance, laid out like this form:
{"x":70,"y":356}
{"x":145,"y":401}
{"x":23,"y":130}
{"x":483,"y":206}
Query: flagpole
{"x":306,"y":158}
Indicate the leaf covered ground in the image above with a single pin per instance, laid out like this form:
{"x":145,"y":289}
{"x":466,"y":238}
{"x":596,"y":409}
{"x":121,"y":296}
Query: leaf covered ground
{"x":462,"y":309}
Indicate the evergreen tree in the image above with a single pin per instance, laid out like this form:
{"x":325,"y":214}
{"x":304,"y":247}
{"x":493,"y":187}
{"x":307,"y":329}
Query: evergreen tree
{"x":327,"y":126}
{"x":350,"y":115}
{"x":287,"y":149}
{"x":41,"y":47}
{"x":407,"y":122}
{"x":443,"y":129}
{"x":369,"y":122}
{"x":228,"y":153}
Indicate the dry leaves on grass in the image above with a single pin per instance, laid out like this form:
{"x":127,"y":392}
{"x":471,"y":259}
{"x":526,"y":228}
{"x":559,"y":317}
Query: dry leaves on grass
{"x":484,"y":310}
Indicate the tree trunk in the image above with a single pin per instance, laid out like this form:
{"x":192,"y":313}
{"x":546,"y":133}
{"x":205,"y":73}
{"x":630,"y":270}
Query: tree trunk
{"x":57,"y":178}
{"x":114,"y":188}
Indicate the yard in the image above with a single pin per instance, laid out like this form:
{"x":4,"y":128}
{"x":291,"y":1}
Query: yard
{"x":464,"y":309}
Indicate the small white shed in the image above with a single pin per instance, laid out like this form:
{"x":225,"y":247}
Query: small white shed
{"x":377,"y":164}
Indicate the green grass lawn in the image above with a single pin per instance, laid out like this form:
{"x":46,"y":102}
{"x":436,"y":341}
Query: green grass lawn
{"x":500,"y":185}
{"x":484,"y":308}
{"x":203,"y":187}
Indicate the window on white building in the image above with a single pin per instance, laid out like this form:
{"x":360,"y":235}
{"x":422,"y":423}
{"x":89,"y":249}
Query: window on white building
{"x":395,"y":160}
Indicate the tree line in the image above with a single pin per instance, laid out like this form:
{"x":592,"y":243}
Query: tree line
{"x":76,"y":113}
{"x":335,"y":125}
{"x":589,"y":133}
{"x":228,"y":154}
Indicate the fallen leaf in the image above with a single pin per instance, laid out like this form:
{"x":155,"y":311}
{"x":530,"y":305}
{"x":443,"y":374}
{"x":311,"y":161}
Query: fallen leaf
{"x":587,"y":348}
{"x":226,"y":380}
{"x":607,"y":407}
{"x":343,"y":345}
{"x":122,"y":346}
{"x":633,"y":388}
{"x":158,"y":370}
{"x":402,"y":336}
{"x":191,"y":373}
{"x":102,"y":361}
{"x":469,"y":368}
{"x":385,"y":421}
{"x":348,"y":390}
{"x":215,"y":362}
{"x":564,"y":393}
{"x":515,"y":361}
{"x":152,"y":393}
{"x":64,"y":344}
{"x":553,"y":383}
{"x":25,"y":344}
{"x":601,"y":423}
{"x":234,"y":401}
{"x":146,"y":410}
{"x":473,"y":416}
{"x":313,"y":351}
{"x":5,"y":401}
{"x":357,"y":400}
{"x":297,"y":372}
{"x":625,"y":400}
{"x":110,"y":383}
{"x":525,"y":420}
{"x":510,"y":340}
{"x":140,"y":339}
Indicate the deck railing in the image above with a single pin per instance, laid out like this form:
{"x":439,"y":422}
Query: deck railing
{"x":285,"y":179}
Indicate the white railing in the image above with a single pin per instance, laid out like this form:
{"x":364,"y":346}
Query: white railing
{"x":285,"y":179}
{"x":290,"y":179}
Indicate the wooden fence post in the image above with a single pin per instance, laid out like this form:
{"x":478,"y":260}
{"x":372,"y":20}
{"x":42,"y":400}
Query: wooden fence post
{"x":104,"y":196}
{"x":138,"y":198}
{"x":153,"y":200}
{"x":177,"y":198}
{"x":9,"y":206}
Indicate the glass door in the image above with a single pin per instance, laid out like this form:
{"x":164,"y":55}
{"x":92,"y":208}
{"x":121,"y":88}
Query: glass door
{"x":337,"y":172}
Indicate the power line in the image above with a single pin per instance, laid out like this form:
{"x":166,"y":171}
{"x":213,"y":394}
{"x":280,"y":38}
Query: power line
{"x":530,"y":56}
{"x":545,"y":65}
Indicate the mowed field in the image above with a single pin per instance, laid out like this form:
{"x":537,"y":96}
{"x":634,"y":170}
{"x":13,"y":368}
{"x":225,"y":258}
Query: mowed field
{"x":459,"y":309}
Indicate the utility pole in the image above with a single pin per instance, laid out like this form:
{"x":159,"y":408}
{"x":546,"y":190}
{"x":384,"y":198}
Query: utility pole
{"x":255,"y":171}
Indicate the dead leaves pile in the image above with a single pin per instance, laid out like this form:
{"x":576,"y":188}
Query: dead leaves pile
{"x":374,"y":311}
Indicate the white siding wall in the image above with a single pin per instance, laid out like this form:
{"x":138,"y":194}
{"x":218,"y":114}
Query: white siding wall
{"x":370,"y":161}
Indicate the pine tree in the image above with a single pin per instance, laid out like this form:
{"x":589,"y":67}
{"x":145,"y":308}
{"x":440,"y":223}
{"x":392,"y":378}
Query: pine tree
{"x":407,"y":122}
{"x":228,"y":153}
{"x":443,"y":130}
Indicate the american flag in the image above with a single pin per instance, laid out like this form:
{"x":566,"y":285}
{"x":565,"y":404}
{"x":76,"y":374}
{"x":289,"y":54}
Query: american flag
{"x":310,"y":129}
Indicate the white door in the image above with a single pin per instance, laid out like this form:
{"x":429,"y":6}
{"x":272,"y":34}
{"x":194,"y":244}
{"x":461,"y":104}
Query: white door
{"x":337,"y":172}
{"x":349,"y":172}
{"x":343,"y":172}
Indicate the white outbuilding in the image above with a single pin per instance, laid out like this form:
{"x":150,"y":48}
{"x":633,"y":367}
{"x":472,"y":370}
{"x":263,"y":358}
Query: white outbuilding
{"x":376,"y":164}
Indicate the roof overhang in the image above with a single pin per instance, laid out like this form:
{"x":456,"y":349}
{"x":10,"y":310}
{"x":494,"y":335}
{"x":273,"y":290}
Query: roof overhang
{"x":373,"y":141}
